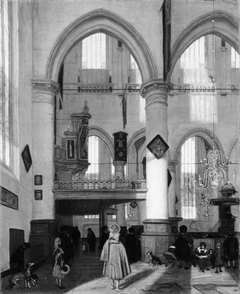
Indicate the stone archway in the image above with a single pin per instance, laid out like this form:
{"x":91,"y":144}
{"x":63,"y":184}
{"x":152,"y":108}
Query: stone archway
{"x":101,"y":20}
{"x":208,"y":135}
{"x":103,"y":135}
{"x":225,"y":27}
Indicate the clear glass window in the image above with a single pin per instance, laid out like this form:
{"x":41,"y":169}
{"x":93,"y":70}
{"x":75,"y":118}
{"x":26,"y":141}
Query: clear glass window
{"x":235,"y":60}
{"x":94,"y":52}
{"x":92,"y":172}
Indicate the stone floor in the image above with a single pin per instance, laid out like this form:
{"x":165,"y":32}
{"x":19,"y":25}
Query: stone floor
{"x":86,"y":277}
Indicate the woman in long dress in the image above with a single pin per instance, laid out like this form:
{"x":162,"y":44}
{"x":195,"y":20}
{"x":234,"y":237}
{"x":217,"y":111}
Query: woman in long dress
{"x":114,"y":256}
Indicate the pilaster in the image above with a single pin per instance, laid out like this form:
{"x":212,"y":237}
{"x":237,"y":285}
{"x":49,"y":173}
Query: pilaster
{"x":44,"y":92}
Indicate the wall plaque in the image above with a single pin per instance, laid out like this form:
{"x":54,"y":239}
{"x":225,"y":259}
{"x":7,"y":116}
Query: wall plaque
{"x":38,"y":180}
{"x":158,"y":146}
{"x":38,"y":194}
{"x":8,"y":198}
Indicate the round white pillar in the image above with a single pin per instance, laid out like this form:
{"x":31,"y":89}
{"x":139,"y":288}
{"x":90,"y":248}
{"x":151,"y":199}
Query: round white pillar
{"x":121,"y":220}
{"x":155,"y":94}
{"x":157,"y":226}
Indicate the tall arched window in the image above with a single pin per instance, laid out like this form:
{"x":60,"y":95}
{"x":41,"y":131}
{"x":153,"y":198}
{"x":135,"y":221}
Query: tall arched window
{"x":99,"y":157}
{"x":235,"y":59}
{"x":192,"y":151}
{"x":9,"y":79}
{"x":94,"y":52}
{"x":4,"y":83}
{"x":93,"y":158}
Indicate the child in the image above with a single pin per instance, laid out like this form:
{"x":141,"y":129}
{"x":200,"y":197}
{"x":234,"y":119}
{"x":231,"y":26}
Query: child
{"x":114,"y":255}
{"x":212,"y":257}
{"x":218,"y":258}
{"x":58,"y":259}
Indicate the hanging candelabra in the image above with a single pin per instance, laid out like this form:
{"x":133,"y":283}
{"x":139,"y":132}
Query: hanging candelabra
{"x":215,"y":173}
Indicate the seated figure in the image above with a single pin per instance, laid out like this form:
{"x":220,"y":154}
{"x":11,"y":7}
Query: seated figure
{"x":201,"y":257}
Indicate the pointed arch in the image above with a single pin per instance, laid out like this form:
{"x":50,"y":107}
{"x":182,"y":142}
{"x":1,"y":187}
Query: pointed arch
{"x":103,"y":135}
{"x":225,"y":27}
{"x":138,"y":135}
{"x":203,"y":133}
{"x":101,"y":20}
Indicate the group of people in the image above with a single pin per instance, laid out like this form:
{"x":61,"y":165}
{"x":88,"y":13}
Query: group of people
{"x":202,"y":257}
{"x":115,"y":256}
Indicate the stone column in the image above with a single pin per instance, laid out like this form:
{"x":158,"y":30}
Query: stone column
{"x":119,"y":177}
{"x":157,"y":226}
{"x":102,"y":220}
{"x":141,"y":211}
{"x":43,"y":225}
{"x":172,"y":196}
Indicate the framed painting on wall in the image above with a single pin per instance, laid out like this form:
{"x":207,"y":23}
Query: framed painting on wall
{"x":38,"y":180}
{"x":38,"y":194}
{"x":70,"y":148}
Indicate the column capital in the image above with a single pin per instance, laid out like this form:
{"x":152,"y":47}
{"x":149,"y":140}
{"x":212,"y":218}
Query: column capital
{"x":119,"y":163}
{"x":45,"y":86}
{"x":153,"y":86}
{"x":172,"y":165}
{"x":155,"y":91}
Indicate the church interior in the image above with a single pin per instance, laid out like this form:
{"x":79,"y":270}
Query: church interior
{"x":119,"y":111}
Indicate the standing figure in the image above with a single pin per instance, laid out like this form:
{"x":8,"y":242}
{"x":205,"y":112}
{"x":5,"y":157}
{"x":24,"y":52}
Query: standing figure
{"x":114,"y":256}
{"x":58,"y":262}
{"x":132,"y":246}
{"x":76,"y":235}
{"x":104,"y":236}
{"x":18,"y":258}
{"x":66,"y":244}
{"x":218,"y":258}
{"x":91,"y":240}
{"x":183,"y":247}
{"x":231,"y":249}
{"x":201,"y":257}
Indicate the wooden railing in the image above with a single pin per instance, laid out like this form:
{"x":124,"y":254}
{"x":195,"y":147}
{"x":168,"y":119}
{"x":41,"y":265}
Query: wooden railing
{"x":100,"y":185}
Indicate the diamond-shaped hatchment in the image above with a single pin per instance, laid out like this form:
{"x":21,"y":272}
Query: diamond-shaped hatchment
{"x":158,"y":146}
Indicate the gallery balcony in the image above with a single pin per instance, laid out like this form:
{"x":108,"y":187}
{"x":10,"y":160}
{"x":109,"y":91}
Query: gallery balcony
{"x":91,"y":196}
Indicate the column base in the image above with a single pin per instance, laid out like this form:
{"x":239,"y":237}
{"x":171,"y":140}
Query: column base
{"x":157,"y":238}
{"x":43,"y":232}
{"x":175,"y":220}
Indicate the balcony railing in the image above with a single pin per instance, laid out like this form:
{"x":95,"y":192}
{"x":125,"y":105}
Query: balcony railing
{"x":100,"y":185}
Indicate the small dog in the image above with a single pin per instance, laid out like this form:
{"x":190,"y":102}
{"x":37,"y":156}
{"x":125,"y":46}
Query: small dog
{"x":25,"y":276}
{"x":34,"y":280}
{"x":153,"y":260}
